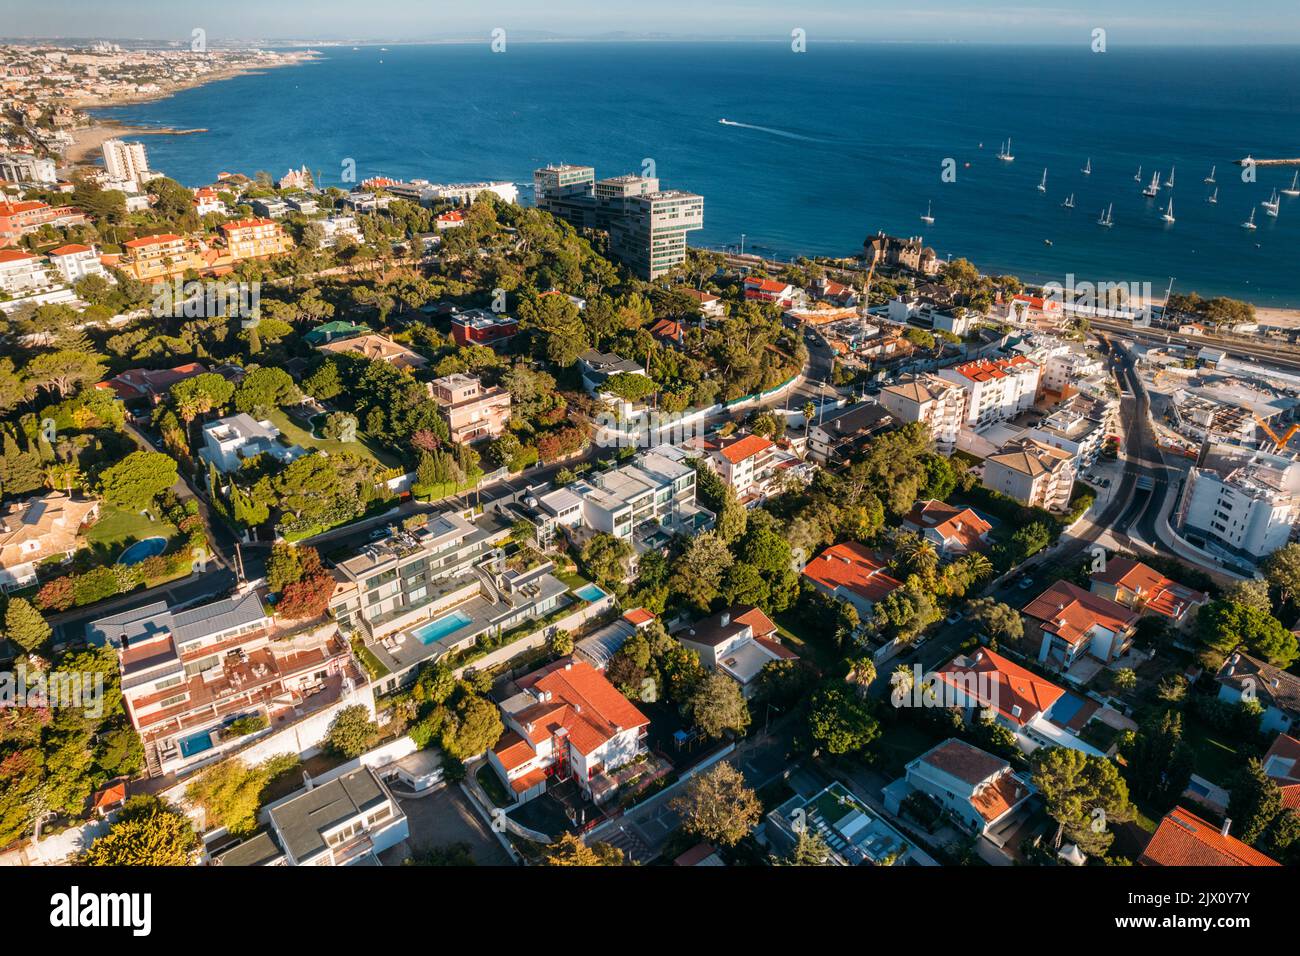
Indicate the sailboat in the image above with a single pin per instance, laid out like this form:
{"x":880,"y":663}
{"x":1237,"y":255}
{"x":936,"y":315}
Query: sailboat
{"x":1294,"y":188}
{"x":1169,"y":213}
{"x":1213,"y":197}
{"x":1170,"y":183}
{"x":1005,"y":153}
{"x":1270,"y":206}
{"x":1210,"y":178}
{"x":1137,"y":177}
{"x":1107,"y":219}
{"x":1069,"y":202}
{"x":1087,"y":167}
{"x":928,"y":218}
{"x":1042,"y":186}
{"x":1250,"y":223}
{"x":1154,"y":188}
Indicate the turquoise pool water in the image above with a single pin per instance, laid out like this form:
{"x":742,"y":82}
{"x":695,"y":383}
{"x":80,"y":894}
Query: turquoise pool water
{"x":147,"y":548}
{"x":195,"y":743}
{"x":443,"y":626}
{"x":590,"y":592}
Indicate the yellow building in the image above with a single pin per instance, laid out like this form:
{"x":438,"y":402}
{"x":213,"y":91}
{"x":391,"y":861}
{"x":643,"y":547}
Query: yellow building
{"x":255,"y":239}
{"x":158,"y":257}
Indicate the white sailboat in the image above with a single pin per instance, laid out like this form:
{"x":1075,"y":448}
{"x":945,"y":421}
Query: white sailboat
{"x":1107,"y":218}
{"x":1270,"y":205}
{"x":1170,"y":183}
{"x":1294,"y":188}
{"x":1005,"y":153}
{"x":1042,"y":185}
{"x":1154,"y":187}
{"x":1169,"y":213}
{"x":1250,"y":223}
{"x":1069,"y":201}
{"x":1210,"y":178}
{"x":1213,"y":197}
{"x":1137,"y":177}
{"x":1087,"y":167}
{"x":928,"y":218}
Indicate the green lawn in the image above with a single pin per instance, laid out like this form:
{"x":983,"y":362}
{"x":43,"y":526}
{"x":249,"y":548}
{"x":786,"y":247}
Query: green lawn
{"x":900,"y":743}
{"x":820,"y":652}
{"x":300,"y":436}
{"x":1217,"y":759}
{"x":117,"y":528}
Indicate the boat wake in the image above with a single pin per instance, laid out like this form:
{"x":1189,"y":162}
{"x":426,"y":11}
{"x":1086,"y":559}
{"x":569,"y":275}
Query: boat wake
{"x":775,"y":132}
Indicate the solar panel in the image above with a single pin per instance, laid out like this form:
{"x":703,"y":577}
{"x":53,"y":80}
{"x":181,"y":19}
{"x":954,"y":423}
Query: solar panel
{"x":34,"y":512}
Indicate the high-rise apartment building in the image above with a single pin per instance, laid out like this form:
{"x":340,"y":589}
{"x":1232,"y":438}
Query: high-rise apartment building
{"x":126,"y":161}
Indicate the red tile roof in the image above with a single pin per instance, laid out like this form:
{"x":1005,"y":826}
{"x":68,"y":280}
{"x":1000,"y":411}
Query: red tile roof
{"x":1282,"y":763}
{"x":246,"y":224}
{"x":13,"y":208}
{"x":766,"y":285}
{"x":1184,"y":839}
{"x":583,"y":702}
{"x":638,"y":616}
{"x":151,"y":240}
{"x":983,"y":370}
{"x":742,"y":448}
{"x":1159,"y":593}
{"x":1007,"y":684}
{"x":454,"y":215}
{"x":852,"y":567}
{"x":760,"y":623}
{"x":952,"y":523}
{"x":71,"y":248}
{"x":15,"y":255}
{"x":1070,"y":612}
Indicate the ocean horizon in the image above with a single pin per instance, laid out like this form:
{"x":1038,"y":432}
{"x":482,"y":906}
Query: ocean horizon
{"x":822,"y":148}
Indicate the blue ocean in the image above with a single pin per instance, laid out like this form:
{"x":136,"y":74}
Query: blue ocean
{"x":822,"y":147}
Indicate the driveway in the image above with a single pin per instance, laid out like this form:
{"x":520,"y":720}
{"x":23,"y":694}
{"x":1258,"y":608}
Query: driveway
{"x":442,"y":818}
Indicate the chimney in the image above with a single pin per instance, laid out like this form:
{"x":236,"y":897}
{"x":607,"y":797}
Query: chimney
{"x":1227,"y":825}
{"x":1015,"y":710}
{"x":568,"y":665}
{"x":726,"y":618}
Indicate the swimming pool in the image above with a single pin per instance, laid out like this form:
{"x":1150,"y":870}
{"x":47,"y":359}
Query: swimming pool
{"x":195,"y":743}
{"x":1065,"y":709}
{"x":442,"y":627}
{"x":148,"y":548}
{"x":589,"y":592}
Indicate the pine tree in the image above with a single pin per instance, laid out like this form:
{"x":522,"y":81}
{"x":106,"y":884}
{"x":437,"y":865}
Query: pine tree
{"x":24,"y":625}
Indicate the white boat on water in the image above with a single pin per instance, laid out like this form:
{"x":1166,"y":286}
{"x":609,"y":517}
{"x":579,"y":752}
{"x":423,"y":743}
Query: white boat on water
{"x":1169,"y":213}
{"x":1294,"y":188}
{"x":1213,"y":197}
{"x":1210,"y":178}
{"x":1154,"y":188}
{"x":1107,"y":217}
{"x":1042,"y":185}
{"x":928,"y":218}
{"x":1170,"y":183}
{"x":1087,"y":167}
{"x":1270,"y":205}
{"x":1005,"y":153}
{"x":1250,"y":223}
{"x":1069,"y":202}
{"x":1137,"y":177}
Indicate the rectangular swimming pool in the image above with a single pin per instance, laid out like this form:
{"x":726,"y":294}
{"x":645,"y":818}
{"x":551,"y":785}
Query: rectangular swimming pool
{"x":195,"y":743}
{"x":589,"y":592}
{"x":442,"y":627}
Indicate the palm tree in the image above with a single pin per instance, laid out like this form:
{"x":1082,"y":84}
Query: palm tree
{"x":808,"y":410}
{"x":62,"y":476}
{"x":862,"y":672}
{"x":918,"y":555}
{"x":979,"y":566}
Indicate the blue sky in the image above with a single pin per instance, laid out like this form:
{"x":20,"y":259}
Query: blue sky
{"x":1126,"y":21}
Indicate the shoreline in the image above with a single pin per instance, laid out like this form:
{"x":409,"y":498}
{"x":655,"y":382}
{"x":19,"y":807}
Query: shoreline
{"x":88,"y":140}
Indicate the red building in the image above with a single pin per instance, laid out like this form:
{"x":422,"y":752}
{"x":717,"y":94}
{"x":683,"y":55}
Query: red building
{"x":481,"y":327}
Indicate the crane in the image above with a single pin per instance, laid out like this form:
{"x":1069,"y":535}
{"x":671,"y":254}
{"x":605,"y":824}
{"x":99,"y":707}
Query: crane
{"x":1280,"y":442}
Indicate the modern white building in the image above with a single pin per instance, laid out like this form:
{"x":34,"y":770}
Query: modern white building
{"x":126,"y":160}
{"x":1240,"y":504}
{"x":643,"y":503}
{"x":978,"y":790}
{"x":229,"y":442}
{"x":345,"y":821}
{"x":75,"y":261}
{"x":997,"y":389}
{"x":929,"y":315}
{"x":1079,"y":425}
{"x":22,"y":273}
{"x":24,"y":168}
